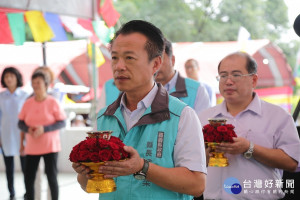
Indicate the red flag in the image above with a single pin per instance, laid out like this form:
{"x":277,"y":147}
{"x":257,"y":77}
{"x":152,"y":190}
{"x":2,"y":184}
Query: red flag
{"x":5,"y":32}
{"x":87,"y":24}
{"x":108,"y":12}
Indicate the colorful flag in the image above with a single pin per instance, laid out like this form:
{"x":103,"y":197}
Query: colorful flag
{"x":108,"y":12}
{"x":100,"y":60}
{"x":17,"y":26}
{"x":243,"y":37}
{"x":103,"y":32}
{"x":297,"y":66}
{"x":72,"y":24}
{"x":5,"y":32}
{"x":87,"y":24}
{"x":41,"y":31}
{"x":56,"y":26}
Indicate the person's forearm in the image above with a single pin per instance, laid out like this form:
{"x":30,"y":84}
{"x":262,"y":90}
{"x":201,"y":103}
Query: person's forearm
{"x":275,"y":158}
{"x":82,"y":180}
{"x":22,"y":126}
{"x":179,"y":179}
{"x":56,"y":126}
{"x":22,"y":137}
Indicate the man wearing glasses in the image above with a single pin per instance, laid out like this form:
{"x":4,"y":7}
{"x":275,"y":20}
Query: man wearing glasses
{"x":267,"y":141}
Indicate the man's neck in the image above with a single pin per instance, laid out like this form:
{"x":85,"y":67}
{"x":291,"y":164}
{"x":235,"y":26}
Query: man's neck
{"x":234,"y":108}
{"x":133,"y":98}
{"x":169,"y":78}
{"x":195,"y":77}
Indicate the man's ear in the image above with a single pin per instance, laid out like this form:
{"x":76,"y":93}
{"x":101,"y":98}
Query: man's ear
{"x":157,"y":64}
{"x":254,"y":82}
{"x":173,"y":60}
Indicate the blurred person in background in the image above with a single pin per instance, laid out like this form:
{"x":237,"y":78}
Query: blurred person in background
{"x":108,"y":95}
{"x":78,"y":121}
{"x":11,"y":102}
{"x":192,"y":69}
{"x":187,"y":90}
{"x":55,"y":92}
{"x":41,"y":118}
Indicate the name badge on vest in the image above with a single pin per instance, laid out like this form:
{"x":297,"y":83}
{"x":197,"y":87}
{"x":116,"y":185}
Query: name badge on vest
{"x":160,"y":144}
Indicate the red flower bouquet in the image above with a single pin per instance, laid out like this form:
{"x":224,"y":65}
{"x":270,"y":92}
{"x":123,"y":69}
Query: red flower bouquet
{"x":98,"y":150}
{"x":223,"y":133}
{"x":92,"y":152}
{"x":215,"y":132}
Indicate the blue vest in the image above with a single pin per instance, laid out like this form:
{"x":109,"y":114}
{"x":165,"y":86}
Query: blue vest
{"x":111,"y":92}
{"x":153,"y":136}
{"x":186,"y":90}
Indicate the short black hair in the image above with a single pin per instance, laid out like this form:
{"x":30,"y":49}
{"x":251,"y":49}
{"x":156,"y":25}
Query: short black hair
{"x":14,"y":71}
{"x":168,"y":47}
{"x":42,"y":75}
{"x":155,"y":44}
{"x":251,"y":64}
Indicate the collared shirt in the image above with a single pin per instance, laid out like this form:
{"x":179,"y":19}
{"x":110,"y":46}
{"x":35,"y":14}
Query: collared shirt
{"x":188,"y":150}
{"x":202,"y":100}
{"x":132,"y":117}
{"x":266,"y":125}
{"x":10,"y":106}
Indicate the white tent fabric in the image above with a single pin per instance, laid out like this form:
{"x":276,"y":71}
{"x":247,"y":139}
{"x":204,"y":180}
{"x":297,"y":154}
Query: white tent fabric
{"x":29,"y":56}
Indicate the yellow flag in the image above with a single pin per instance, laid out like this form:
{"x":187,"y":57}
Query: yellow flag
{"x":100,"y":60}
{"x":41,"y":31}
{"x":67,"y":100}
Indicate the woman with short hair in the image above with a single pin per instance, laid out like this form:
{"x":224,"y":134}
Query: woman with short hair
{"x":11,"y":102}
{"x":40,"y":119}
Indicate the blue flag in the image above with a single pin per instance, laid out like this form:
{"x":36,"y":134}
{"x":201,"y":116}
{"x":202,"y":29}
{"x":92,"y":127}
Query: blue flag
{"x":54,"y":22}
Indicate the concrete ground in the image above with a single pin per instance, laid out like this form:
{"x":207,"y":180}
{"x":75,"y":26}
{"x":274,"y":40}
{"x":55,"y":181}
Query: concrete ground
{"x":68,"y":188}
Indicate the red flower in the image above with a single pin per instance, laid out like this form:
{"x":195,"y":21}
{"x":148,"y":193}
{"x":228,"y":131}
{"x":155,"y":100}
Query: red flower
{"x":113,"y":146}
{"x":117,"y":141}
{"x":105,"y":154}
{"x":116,"y":155}
{"x":103,"y":143}
{"x":222,"y":129}
{"x":229,"y":126}
{"x":218,"y":134}
{"x":83,"y":155}
{"x":98,"y":150}
{"x":73,"y":156}
{"x":94,"y":157}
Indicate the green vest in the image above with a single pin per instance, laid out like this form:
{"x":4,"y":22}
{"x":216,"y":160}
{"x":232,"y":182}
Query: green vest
{"x":111,"y":92}
{"x":186,"y":90}
{"x":153,"y":136}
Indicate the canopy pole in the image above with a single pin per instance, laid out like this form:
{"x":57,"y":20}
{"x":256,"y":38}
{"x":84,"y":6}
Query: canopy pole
{"x":95,"y":86}
{"x":95,"y":76}
{"x":44,"y":53}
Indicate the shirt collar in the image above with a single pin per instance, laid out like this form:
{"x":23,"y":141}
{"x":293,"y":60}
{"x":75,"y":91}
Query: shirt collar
{"x":254,"y":106}
{"x":145,"y":102}
{"x":159,"y":108}
{"x":171,"y":84}
{"x":16,"y":92}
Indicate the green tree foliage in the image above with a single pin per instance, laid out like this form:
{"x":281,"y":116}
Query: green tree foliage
{"x":204,"y":20}
{"x":171,"y":16}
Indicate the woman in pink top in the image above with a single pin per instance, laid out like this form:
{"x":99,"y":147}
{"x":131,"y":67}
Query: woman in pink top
{"x":41,"y":118}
